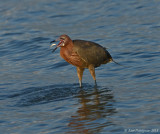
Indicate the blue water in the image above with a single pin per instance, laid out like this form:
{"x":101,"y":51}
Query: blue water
{"x":39,"y":91}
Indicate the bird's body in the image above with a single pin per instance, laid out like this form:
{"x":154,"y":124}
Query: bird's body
{"x":83,"y":54}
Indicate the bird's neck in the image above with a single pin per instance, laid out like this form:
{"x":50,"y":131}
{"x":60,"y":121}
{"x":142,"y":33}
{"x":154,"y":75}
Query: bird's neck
{"x":66,"y":51}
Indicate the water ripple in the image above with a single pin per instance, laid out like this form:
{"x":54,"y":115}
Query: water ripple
{"x":41,"y":95}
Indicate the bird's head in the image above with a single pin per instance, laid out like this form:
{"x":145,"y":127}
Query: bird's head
{"x":63,"y":41}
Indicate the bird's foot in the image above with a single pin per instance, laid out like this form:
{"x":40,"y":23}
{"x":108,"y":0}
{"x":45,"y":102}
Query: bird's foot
{"x":80,"y":84}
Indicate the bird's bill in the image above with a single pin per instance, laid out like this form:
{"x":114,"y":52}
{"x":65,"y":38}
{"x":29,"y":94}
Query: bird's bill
{"x":59,"y":44}
{"x":52,"y":43}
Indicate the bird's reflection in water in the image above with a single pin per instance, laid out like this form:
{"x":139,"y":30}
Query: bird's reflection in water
{"x":92,"y":116}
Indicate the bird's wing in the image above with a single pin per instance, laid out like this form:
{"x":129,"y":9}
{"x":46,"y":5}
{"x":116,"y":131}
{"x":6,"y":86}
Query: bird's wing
{"x":91,"y":53}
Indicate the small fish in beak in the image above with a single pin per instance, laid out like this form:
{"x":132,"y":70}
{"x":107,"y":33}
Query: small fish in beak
{"x":60,"y":44}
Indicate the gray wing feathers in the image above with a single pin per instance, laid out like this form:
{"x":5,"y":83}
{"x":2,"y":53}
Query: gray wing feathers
{"x":90,"y":52}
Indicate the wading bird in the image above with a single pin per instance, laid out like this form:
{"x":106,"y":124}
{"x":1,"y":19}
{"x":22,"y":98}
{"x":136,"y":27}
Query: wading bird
{"x":82,"y":54}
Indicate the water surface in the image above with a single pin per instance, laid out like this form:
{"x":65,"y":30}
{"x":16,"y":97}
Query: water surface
{"x":39,"y":91}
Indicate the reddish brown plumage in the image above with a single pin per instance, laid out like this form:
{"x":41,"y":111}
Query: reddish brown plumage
{"x":71,"y":56}
{"x":83,"y":54}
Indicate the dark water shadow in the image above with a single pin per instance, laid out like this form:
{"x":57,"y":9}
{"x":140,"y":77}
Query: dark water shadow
{"x":95,"y":104}
{"x":96,"y":108}
{"x":40,"y":95}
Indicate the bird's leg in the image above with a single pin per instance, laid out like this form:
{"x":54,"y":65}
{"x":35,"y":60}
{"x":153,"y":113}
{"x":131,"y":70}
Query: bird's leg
{"x":80,"y":74}
{"x":92,"y":71}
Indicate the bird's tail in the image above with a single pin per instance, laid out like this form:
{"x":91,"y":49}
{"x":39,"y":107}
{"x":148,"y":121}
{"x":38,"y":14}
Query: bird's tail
{"x":118,"y":63}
